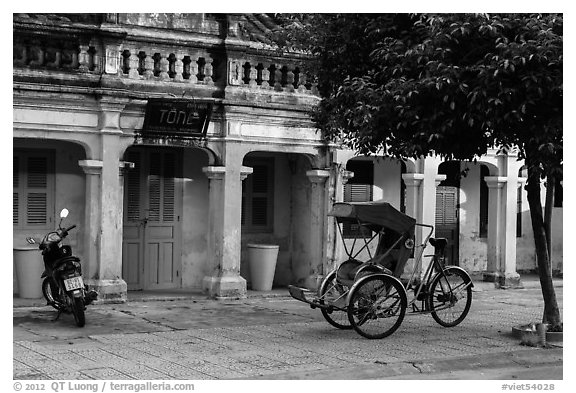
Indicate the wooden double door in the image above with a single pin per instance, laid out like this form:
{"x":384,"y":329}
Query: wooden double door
{"x":151,"y":257}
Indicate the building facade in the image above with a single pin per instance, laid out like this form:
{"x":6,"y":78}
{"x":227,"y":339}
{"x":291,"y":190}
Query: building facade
{"x":177,"y":139}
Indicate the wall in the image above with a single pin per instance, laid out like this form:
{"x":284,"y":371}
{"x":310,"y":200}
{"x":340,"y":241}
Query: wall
{"x":473,"y":249}
{"x":194,"y":218}
{"x":557,"y":241}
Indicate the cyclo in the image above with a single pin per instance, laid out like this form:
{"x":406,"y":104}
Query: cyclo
{"x":372,"y":296}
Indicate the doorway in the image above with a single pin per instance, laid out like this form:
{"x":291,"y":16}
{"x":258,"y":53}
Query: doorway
{"x":447,"y":209}
{"x":151,"y":257}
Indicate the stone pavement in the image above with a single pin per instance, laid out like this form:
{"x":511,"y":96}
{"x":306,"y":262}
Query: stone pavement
{"x":176,"y":336}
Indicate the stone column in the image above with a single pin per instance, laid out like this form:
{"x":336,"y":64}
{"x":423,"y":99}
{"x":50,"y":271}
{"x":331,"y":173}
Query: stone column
{"x":104,"y":206}
{"x":103,"y":231}
{"x":494,"y":270}
{"x":93,"y":171}
{"x":511,"y":277}
{"x":318,"y":235}
{"x":341,"y":177}
{"x":427,"y":170}
{"x":223,"y":278}
{"x":413,"y":209}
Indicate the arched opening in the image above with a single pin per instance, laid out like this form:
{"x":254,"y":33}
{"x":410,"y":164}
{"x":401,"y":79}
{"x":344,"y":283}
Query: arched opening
{"x":447,"y":209}
{"x":276,"y":210}
{"x":165,"y":217}
{"x":46,"y":179}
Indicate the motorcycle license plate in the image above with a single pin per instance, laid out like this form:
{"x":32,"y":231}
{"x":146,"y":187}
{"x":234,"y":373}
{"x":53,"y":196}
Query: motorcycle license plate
{"x":73,"y":283}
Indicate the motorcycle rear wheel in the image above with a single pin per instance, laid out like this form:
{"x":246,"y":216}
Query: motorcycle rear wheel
{"x":50,"y":292}
{"x":78,"y":311}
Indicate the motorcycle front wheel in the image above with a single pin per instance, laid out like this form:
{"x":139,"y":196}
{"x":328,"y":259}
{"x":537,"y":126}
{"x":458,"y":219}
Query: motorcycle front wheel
{"x":78,"y":311}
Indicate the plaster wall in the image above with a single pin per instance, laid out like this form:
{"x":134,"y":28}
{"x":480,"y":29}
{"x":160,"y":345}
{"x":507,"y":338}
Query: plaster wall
{"x":473,"y":249}
{"x":194,"y":218}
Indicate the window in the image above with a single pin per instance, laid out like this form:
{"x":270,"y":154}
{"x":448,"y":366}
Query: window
{"x":358,"y":189}
{"x":32,"y":199}
{"x":257,"y":196}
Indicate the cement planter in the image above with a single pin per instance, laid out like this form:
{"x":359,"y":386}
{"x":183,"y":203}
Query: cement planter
{"x":29,"y":268}
{"x":534,"y":335}
{"x":262,"y":261}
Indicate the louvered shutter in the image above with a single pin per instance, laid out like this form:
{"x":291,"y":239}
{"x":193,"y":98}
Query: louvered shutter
{"x":257,"y":196}
{"x":154,"y":187}
{"x":37,"y":191}
{"x":358,"y":192}
{"x":446,"y":206}
{"x":15,"y":195}
{"x":32,"y":188}
{"x":133,"y":188}
{"x":439,"y":207}
{"x":169,"y":190}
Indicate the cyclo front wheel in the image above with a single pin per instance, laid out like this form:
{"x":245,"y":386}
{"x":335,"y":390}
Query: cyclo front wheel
{"x":377,"y":305}
{"x":332,"y":292}
{"x":450,"y":296}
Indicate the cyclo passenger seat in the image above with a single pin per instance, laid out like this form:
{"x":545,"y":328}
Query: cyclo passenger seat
{"x":439,"y":244}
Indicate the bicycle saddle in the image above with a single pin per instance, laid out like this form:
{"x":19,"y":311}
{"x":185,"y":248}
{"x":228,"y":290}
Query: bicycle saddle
{"x":439,"y":242}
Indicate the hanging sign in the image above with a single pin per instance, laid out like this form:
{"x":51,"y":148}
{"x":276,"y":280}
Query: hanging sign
{"x":176,"y":118}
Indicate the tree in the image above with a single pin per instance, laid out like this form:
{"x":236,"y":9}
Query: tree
{"x":454,"y":85}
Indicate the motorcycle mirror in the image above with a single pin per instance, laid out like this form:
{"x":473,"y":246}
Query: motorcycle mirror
{"x":64,"y":213}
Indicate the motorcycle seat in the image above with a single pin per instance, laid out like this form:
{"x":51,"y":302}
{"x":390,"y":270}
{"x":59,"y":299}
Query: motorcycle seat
{"x":64,"y":260}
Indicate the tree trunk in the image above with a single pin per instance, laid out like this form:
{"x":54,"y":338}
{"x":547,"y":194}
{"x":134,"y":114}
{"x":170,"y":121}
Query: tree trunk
{"x":548,"y":207}
{"x":551,"y":310}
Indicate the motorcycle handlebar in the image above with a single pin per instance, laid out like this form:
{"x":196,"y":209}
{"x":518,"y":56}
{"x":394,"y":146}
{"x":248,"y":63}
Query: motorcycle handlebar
{"x":65,"y":232}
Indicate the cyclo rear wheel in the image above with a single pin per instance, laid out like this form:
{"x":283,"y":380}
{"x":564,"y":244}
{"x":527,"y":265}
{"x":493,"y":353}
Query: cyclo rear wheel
{"x":450,"y":297}
{"x":333,"y":292}
{"x":377,"y":305}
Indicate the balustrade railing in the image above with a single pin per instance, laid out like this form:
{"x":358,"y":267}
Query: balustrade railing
{"x":56,"y":55}
{"x":270,"y":76}
{"x":188,"y":67}
{"x":164,"y":65}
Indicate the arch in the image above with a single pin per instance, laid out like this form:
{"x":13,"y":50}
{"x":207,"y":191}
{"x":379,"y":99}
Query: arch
{"x":87,"y":146}
{"x":491,"y":167}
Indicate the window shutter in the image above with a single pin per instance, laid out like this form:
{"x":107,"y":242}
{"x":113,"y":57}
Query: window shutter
{"x":15,"y":195}
{"x":439,"y":207}
{"x":257,"y":195}
{"x":169,"y":189}
{"x":37,"y":197}
{"x":446,"y":209}
{"x":154,"y":187}
{"x":358,"y":192}
{"x":133,"y":187}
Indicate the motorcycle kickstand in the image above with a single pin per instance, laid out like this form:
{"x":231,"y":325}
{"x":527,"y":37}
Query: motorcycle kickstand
{"x":58,"y":316}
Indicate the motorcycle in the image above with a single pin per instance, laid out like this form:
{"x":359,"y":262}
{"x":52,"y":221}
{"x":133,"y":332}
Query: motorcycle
{"x":63,"y":286}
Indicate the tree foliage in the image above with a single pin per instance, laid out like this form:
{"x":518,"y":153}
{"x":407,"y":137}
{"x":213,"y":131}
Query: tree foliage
{"x":457,"y":84}
{"x":454,"y":85}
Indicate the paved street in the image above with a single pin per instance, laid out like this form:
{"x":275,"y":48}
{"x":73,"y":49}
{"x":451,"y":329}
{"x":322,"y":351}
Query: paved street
{"x":276,"y":337}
